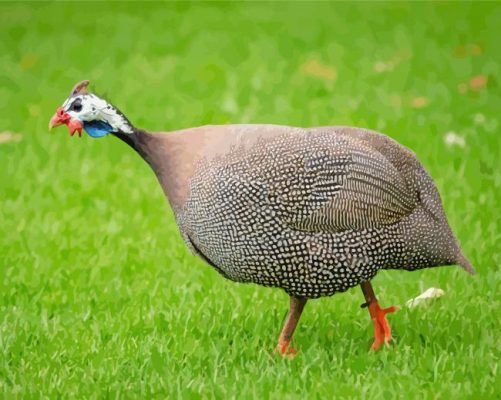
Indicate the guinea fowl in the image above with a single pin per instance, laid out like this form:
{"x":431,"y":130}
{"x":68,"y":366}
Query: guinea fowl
{"x":312,"y":211}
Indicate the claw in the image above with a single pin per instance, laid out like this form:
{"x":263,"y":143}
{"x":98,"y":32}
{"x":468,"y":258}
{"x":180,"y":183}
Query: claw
{"x":286,"y":351}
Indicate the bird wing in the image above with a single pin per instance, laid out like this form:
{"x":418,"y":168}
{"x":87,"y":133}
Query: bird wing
{"x":343,"y":184}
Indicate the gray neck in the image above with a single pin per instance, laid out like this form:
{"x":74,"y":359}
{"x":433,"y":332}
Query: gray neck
{"x":136,"y":140}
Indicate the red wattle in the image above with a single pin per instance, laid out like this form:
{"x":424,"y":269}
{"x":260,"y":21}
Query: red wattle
{"x":74,"y":125}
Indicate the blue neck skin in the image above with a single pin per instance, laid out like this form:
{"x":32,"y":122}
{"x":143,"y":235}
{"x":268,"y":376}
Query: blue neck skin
{"x":97,"y":129}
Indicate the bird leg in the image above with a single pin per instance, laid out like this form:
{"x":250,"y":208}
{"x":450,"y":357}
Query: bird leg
{"x":382,"y":330}
{"x":296,"y":308}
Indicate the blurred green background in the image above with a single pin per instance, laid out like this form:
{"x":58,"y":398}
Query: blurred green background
{"x":99,"y":296}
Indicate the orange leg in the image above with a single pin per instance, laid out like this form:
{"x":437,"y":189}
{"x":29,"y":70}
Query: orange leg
{"x":296,"y":308}
{"x":382,"y":330}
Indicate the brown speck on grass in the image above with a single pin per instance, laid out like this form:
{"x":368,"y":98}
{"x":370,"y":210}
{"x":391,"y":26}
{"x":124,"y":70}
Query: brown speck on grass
{"x":475,"y":83}
{"x":419,"y":102}
{"x":319,"y":70}
{"x":468,"y":50}
{"x":478,"y":82}
{"x":28,"y":61}
{"x":6,"y":137}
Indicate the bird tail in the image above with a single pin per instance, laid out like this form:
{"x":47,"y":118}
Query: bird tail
{"x":463,"y":262}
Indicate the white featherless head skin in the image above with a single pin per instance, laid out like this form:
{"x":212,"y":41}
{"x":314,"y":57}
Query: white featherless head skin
{"x":88,"y":107}
{"x":92,"y":113}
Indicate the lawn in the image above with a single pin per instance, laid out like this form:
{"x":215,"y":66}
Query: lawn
{"x":99,"y":297}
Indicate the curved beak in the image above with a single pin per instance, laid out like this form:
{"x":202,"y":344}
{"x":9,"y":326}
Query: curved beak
{"x":61,"y":117}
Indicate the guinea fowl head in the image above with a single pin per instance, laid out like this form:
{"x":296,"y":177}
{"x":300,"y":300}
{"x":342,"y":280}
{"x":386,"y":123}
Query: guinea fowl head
{"x":84,"y":110}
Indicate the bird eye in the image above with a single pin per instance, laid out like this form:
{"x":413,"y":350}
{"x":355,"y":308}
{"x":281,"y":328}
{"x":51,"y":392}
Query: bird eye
{"x":77,"y":105}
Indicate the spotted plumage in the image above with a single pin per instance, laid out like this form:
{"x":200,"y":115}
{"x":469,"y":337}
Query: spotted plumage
{"x":315,"y":211}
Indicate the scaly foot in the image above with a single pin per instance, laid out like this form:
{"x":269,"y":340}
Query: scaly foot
{"x":284,"y":349}
{"x":382,"y":330}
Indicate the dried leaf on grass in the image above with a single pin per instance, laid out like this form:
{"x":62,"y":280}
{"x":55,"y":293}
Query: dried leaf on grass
{"x":429,"y":294}
{"x":319,"y":70}
{"x":6,"y":137}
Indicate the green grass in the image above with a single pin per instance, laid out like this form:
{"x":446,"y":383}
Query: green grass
{"x":99,"y":296}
